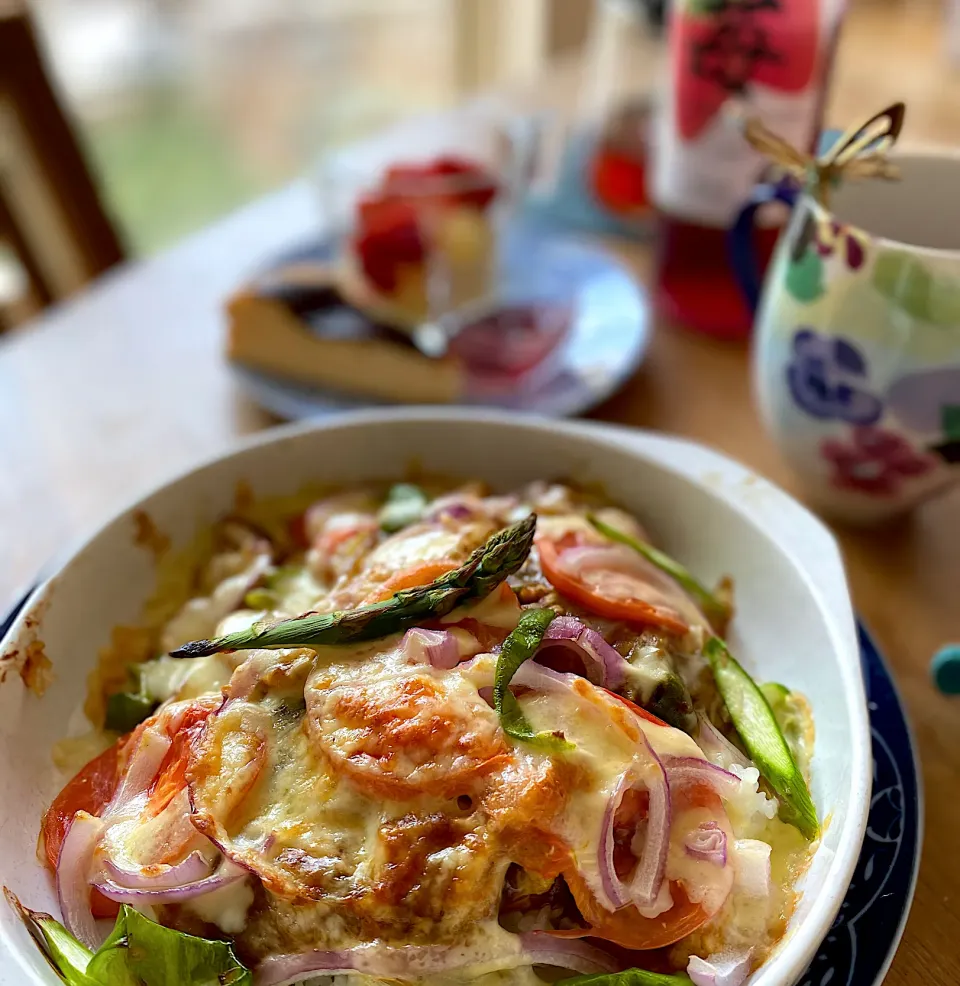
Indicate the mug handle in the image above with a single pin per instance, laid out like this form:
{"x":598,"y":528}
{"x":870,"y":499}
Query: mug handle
{"x":743,"y":256}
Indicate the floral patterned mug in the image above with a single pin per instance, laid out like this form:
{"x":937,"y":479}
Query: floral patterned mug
{"x":857,"y":337}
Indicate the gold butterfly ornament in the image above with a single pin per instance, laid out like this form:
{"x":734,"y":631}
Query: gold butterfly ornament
{"x":860,"y":152}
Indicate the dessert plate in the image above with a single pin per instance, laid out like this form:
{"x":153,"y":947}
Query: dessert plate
{"x":606,"y":342}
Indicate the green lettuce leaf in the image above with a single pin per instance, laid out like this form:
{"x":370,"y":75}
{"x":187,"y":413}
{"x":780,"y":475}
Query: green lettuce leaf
{"x":138,"y":952}
{"x":68,"y":957}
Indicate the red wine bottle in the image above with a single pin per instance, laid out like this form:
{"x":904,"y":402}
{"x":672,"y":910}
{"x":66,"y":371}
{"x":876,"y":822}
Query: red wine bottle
{"x":772,"y":57}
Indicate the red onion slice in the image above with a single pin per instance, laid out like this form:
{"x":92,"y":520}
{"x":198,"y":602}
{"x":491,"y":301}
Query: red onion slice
{"x":563,"y":628}
{"x":456,"y":506}
{"x":533,"y":675}
{"x":614,"y":663}
{"x":693,"y":770}
{"x":603,"y":664}
{"x":648,"y":876}
{"x":226,"y":874}
{"x":611,"y":557}
{"x":439,"y":648}
{"x":413,"y":961}
{"x":621,"y":573}
{"x":720,"y":970}
{"x":540,"y":678}
{"x":160,"y":877}
{"x":707,"y":842}
{"x":281,"y":970}
{"x":73,"y":874}
{"x":716,"y":746}
{"x":612,"y":892}
{"x":568,"y":654}
{"x":566,"y":953}
{"x":141,"y":770}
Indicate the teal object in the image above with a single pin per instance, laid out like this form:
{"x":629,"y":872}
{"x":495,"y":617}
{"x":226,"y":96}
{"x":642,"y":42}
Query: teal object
{"x":946,"y":669}
{"x":827,"y":139}
{"x":804,"y":278}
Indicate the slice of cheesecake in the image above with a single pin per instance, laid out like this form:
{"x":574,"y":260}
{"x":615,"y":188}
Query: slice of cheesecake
{"x":298,"y":325}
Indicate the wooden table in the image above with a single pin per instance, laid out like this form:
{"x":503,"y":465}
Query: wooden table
{"x":125,"y":386}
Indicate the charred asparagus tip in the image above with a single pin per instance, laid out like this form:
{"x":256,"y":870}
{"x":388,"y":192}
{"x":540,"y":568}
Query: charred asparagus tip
{"x":196,"y":648}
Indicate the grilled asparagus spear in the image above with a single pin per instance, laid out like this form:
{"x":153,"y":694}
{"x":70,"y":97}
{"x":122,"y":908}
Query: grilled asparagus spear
{"x":763,"y":738}
{"x":479,"y":575}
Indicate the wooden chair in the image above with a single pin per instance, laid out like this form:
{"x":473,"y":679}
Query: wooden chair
{"x":51,"y":215}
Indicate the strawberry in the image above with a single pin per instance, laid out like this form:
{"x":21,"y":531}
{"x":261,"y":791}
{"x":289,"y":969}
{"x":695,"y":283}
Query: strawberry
{"x":450,"y":164}
{"x":387,"y":236}
{"x":719,"y":47}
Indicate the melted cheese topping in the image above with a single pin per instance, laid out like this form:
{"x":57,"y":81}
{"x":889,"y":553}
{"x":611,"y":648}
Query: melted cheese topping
{"x":412,"y":870}
{"x":376,"y":797}
{"x":606,"y":735}
{"x":395,"y":799}
{"x":414,"y":546}
{"x":407,"y":731}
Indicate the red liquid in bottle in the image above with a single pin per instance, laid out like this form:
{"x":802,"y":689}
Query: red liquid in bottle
{"x":772,"y":57}
{"x":695,"y":284}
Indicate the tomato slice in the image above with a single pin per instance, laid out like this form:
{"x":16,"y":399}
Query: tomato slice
{"x":636,"y":708}
{"x":409,"y":578}
{"x":90,"y":790}
{"x":95,"y":784}
{"x":406,"y":736}
{"x":172,"y":775}
{"x":592,"y":597}
{"x":627,"y":926}
{"x":333,"y":537}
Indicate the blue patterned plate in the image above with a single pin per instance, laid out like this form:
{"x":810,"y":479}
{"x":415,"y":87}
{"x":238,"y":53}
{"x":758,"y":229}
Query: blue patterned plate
{"x":861,"y":944}
{"x":606,"y":343}
{"x":875,"y":909}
